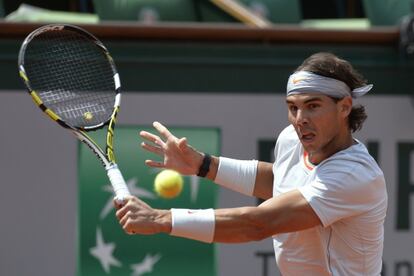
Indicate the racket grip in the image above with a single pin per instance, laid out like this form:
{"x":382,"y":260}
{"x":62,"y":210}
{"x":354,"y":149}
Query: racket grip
{"x":118,"y":183}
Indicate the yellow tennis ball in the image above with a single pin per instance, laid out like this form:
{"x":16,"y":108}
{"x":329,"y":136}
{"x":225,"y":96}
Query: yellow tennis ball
{"x":168,"y":184}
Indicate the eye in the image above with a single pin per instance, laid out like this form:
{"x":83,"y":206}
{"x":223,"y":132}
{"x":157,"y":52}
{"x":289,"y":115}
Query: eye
{"x":293,"y":108}
{"x":313,"y":106}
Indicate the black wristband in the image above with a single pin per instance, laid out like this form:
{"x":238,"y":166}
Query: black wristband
{"x":205,"y":166}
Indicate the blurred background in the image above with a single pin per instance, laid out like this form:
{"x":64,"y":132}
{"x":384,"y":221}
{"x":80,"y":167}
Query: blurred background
{"x":378,"y":12}
{"x":214,"y":71}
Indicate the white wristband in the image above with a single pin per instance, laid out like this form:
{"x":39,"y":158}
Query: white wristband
{"x":193,"y":224}
{"x":237,"y":175}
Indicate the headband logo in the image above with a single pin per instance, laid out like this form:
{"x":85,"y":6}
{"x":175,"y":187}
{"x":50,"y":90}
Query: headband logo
{"x":298,"y":79}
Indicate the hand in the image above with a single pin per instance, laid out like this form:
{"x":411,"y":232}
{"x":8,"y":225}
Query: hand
{"x":137,"y":217}
{"x":176,"y":153}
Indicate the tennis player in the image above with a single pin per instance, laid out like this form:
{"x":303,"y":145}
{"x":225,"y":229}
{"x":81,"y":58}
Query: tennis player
{"x":325,"y":196}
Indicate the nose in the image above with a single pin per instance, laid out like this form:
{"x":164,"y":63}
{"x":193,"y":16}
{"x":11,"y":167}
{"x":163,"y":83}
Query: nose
{"x":301,"y":117}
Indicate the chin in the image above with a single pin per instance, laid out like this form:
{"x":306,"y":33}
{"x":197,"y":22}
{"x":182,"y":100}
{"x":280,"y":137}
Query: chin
{"x":309,"y":148}
{"x":310,"y":151}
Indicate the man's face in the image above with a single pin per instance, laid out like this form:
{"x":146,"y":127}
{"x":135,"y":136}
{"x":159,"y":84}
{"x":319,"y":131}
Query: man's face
{"x":319,"y":121}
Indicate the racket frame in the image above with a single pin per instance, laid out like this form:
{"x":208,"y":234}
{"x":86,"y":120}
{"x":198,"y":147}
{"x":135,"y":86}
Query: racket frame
{"x":107,"y":158}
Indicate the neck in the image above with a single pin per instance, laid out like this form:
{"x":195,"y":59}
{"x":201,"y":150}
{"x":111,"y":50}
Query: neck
{"x":340,"y":142}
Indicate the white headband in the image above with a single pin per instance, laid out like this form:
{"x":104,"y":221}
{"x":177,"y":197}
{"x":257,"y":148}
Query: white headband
{"x":308,"y":82}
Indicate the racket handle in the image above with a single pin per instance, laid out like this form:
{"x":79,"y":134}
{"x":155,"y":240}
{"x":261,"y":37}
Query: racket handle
{"x":118,"y":183}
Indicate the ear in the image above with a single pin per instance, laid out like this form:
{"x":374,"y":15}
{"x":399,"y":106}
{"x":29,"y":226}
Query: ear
{"x":345,"y":106}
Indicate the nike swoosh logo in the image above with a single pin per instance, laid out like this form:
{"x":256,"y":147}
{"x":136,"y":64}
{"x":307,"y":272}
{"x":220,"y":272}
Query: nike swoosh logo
{"x":296,"y":80}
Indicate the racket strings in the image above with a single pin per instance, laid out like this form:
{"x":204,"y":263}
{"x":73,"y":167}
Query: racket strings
{"x":73,"y":76}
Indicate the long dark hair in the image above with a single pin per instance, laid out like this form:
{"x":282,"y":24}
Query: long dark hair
{"x":329,"y":65}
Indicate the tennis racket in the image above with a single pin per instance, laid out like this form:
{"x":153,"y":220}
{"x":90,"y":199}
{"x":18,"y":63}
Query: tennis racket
{"x":73,"y":79}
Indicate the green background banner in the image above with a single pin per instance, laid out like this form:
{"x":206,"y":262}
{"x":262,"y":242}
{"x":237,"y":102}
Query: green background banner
{"x":103,"y":247}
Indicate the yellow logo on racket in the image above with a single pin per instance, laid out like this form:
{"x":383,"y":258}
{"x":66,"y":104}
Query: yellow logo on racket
{"x":88,"y":116}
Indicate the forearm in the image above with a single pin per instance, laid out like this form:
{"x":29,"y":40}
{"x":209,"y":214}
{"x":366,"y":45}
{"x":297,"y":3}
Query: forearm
{"x":237,"y":225}
{"x":289,"y":212}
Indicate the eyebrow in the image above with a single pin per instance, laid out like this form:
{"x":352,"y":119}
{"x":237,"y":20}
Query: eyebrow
{"x":312,"y":99}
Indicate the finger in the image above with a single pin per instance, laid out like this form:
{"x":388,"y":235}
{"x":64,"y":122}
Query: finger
{"x":120,"y":213}
{"x":119,"y":202}
{"x":127,"y":228}
{"x":162,"y":130}
{"x":155,"y":164}
{"x":116,"y":203}
{"x":125,"y":218}
{"x":182,"y":143}
{"x":154,"y":149}
{"x":147,"y":135}
{"x":152,"y":138}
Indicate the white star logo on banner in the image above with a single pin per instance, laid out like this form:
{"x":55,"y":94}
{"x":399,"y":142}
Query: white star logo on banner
{"x":146,"y":265}
{"x":133,"y":188}
{"x":103,"y":252}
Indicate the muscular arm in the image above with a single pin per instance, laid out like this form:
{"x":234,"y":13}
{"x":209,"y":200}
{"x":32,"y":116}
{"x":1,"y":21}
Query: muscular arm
{"x":288,"y":212}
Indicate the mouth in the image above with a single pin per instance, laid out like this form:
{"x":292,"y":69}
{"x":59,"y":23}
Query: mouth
{"x":307,"y":137}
